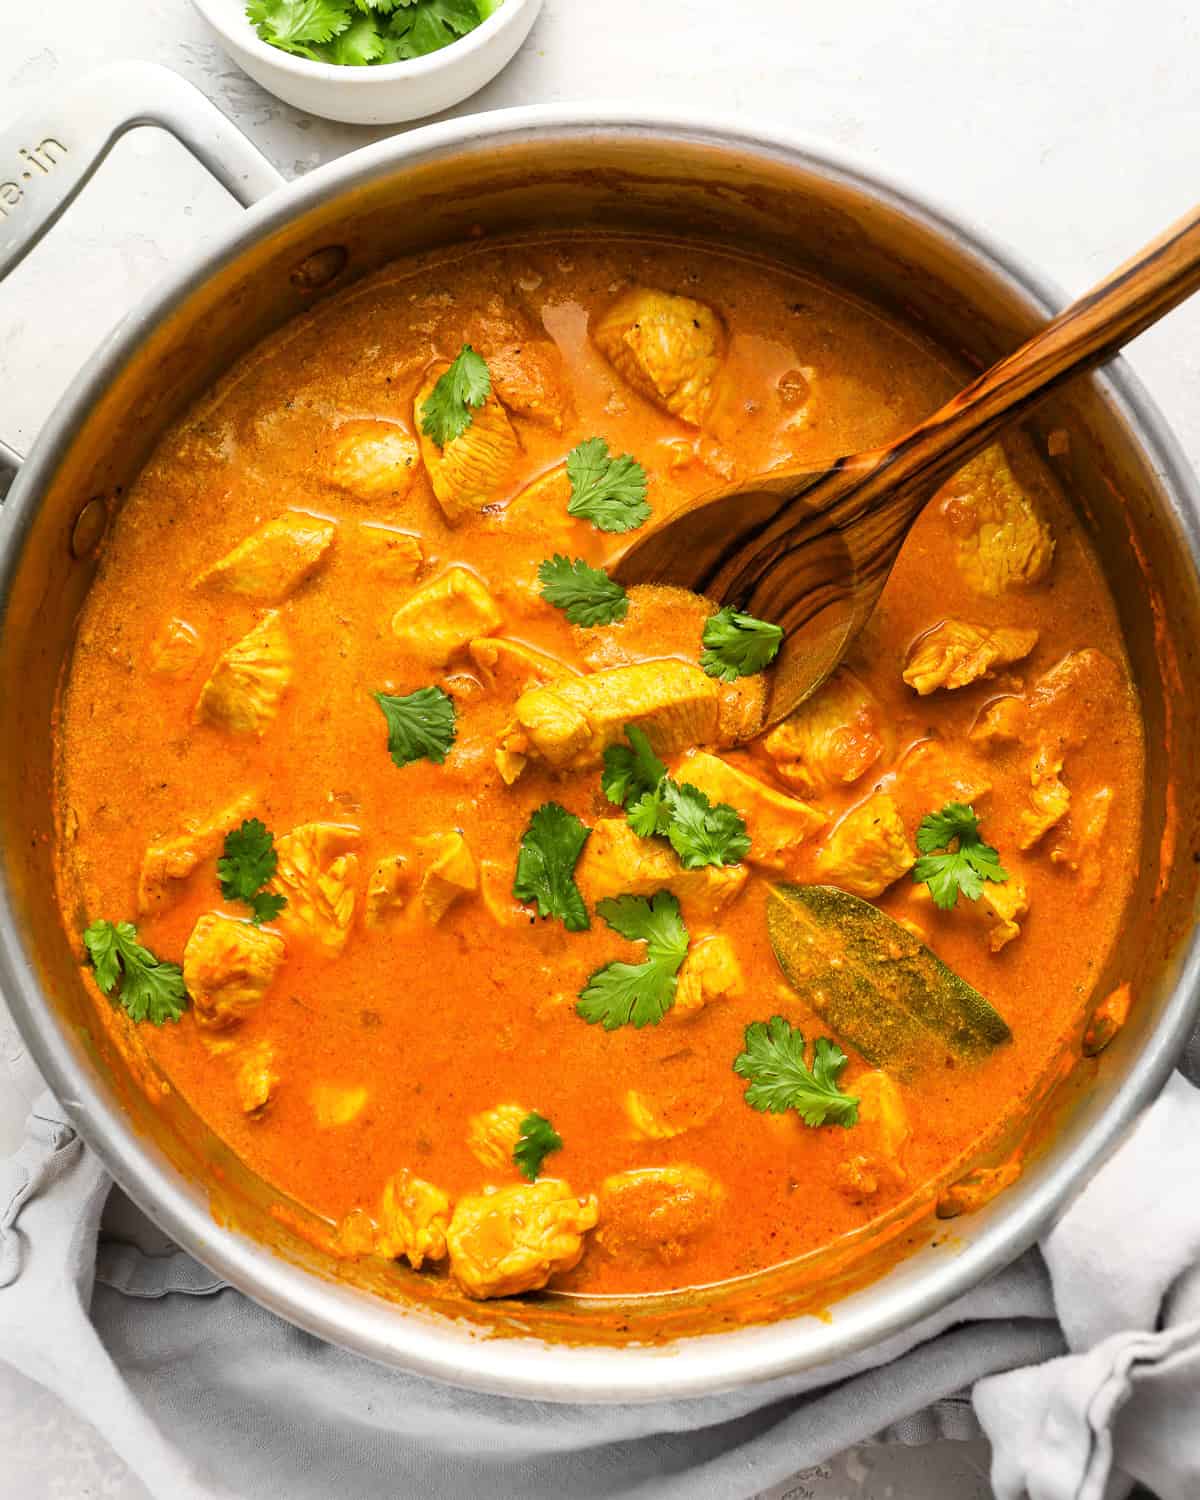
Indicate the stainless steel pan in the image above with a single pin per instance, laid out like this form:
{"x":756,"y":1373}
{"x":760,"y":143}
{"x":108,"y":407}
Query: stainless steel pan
{"x":504,"y":173}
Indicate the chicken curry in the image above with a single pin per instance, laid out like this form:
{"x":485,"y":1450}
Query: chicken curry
{"x":464,"y":894}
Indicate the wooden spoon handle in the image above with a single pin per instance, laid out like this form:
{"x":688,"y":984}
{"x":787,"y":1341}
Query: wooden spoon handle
{"x":893,"y":484}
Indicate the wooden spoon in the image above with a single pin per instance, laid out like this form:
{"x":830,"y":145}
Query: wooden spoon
{"x":811,"y":550}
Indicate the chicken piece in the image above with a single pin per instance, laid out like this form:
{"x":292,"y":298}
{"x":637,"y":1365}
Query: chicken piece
{"x":1081,"y":851}
{"x":777,"y":824}
{"x":570,"y":723}
{"x":540,"y":510}
{"x":1049,"y":801}
{"x":953,"y":654}
{"x":525,"y":364}
{"x":510,"y":668}
{"x":508,"y":1240}
{"x":492,"y":1135}
{"x":710,"y":972}
{"x":316,"y":874}
{"x":228,"y":967}
{"x":1004,"y":904}
{"x":868,"y":849}
{"x":374,"y":460}
{"x":661,"y":621}
{"x":413,"y":1219}
{"x":496,"y":889}
{"x":930,"y":775}
{"x":273,"y":560}
{"x":615,"y":862}
{"x":175,"y":649}
{"x":1107,"y":1019}
{"x":254,"y":1077}
{"x":470,"y":471}
{"x":668,"y":348}
{"x":448,"y":871}
{"x":249,"y":680}
{"x":167,"y":863}
{"x":664,"y":1114}
{"x":878,"y":1140}
{"x":657,"y":1211}
{"x":742,"y":709}
{"x":1003,"y":541}
{"x":1002,"y":722}
{"x":335,"y":1105}
{"x":978,"y":1188}
{"x":396,"y":556}
{"x":444,"y":616}
{"x":832,"y":739}
{"x":388,"y":888}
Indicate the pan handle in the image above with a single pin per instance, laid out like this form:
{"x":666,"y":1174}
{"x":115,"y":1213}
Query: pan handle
{"x":48,"y":155}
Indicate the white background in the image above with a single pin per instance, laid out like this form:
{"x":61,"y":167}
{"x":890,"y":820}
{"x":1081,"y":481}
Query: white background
{"x":1068,"y":128}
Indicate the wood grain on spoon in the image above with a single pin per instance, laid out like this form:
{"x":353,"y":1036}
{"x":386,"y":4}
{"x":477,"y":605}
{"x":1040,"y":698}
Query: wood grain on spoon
{"x":812,"y":550}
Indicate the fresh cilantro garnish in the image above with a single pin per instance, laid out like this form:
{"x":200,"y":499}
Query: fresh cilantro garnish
{"x":151,"y":989}
{"x":550,"y":849}
{"x":780,"y":1078}
{"x":587,"y":596}
{"x":450,"y":407}
{"x":535,"y":1143}
{"x":966,"y":861}
{"x":609,"y":492}
{"x":701,"y":834}
{"x":737,"y":645}
{"x":246,"y":865}
{"x":359,"y":32}
{"x":631,"y":770}
{"x":620,"y":993}
{"x":420,"y":725}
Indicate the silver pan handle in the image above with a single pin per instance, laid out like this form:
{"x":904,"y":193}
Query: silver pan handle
{"x":48,"y":155}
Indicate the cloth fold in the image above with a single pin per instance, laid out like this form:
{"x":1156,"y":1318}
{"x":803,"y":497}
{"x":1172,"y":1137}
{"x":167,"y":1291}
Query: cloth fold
{"x":1084,"y":1358}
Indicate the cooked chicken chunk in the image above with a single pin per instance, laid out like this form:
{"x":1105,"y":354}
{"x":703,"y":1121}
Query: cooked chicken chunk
{"x":978,"y":1188}
{"x":388,"y":888}
{"x":169,"y":861}
{"x":683,"y":1094}
{"x":413,"y":1219}
{"x":396,"y":556}
{"x":273,"y":560}
{"x":524,"y":363}
{"x":374,"y":460}
{"x":710,"y":972}
{"x":540,"y":510}
{"x":444,"y":616}
{"x":742,"y":709}
{"x":832,"y":739}
{"x":930,"y":775}
{"x":868,"y":849}
{"x":878,"y":1140}
{"x":954,"y":653}
{"x":657,"y":1210}
{"x":1049,"y":800}
{"x":254,"y":1077}
{"x":175,"y":649}
{"x":448,"y":871}
{"x":470,"y":471}
{"x":317,"y":875}
{"x":777,"y":824}
{"x":1002,"y":722}
{"x":513,"y":1239}
{"x":668,"y":348}
{"x":1082,"y":850}
{"x":228,"y":967}
{"x":496,"y":892}
{"x":511,"y":668}
{"x":1107,"y":1019}
{"x":572,"y":722}
{"x":1003,"y":540}
{"x":243,"y":692}
{"x":1004,"y":904}
{"x":492,"y":1135}
{"x":335,"y":1105}
{"x":615,"y":862}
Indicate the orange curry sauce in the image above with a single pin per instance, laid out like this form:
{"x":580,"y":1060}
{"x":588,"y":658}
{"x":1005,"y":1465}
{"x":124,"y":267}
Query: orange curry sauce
{"x":415,"y":1027}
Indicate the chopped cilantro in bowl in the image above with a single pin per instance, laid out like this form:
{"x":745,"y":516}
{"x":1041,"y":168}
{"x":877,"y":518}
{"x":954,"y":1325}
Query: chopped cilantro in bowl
{"x":357,"y":33}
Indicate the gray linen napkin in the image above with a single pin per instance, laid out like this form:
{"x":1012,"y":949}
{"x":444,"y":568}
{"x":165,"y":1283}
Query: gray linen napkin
{"x":206,"y":1396}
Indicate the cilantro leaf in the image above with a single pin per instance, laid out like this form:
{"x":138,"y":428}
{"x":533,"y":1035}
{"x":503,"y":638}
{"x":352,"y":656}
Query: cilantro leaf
{"x":700,"y":833}
{"x":421,"y":725}
{"x":298,"y":25}
{"x":587,"y":596}
{"x":535,"y":1143}
{"x":150,"y":989}
{"x":781,"y":1079}
{"x":424,"y":26}
{"x":737,"y":645}
{"x":621,"y":994}
{"x":608,"y":492}
{"x":450,"y":407}
{"x":246,"y":865}
{"x":550,"y":850}
{"x":631,"y":770}
{"x":966,"y":861}
{"x":360,"y":44}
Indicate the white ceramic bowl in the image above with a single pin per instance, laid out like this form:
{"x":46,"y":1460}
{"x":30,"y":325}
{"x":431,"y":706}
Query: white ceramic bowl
{"x":381,"y":94}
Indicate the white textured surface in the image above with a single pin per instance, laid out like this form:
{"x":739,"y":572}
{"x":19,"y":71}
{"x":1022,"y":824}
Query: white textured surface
{"x":1067,"y":127}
